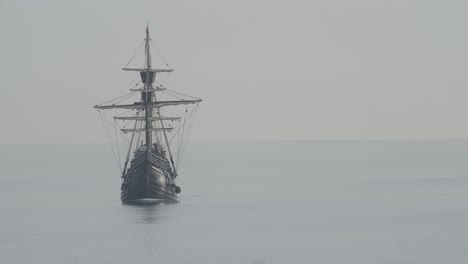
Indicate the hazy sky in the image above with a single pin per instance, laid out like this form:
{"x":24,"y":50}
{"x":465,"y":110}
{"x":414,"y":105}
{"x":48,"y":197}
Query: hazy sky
{"x":267,"y":70}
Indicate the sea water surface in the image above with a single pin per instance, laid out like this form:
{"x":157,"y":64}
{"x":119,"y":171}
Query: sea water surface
{"x":267,"y":202}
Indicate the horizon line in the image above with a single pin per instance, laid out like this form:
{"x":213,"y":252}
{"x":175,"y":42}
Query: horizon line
{"x":252,"y":141}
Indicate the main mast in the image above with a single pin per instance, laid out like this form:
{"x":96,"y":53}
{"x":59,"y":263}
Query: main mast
{"x":146,"y":95}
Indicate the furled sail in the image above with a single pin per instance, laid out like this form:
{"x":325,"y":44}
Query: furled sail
{"x":143,"y":106}
{"x":148,"y":90}
{"x":149,"y":70}
{"x":146,"y":129}
{"x":153,"y":118}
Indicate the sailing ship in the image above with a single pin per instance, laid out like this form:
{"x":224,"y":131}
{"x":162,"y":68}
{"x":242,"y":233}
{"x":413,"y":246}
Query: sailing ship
{"x":149,"y":170}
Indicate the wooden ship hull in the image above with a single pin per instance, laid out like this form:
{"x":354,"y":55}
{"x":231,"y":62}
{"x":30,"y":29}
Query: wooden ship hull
{"x":149,"y":177}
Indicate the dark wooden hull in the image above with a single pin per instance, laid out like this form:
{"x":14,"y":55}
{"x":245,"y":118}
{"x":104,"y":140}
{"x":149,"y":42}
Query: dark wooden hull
{"x":148,"y":177}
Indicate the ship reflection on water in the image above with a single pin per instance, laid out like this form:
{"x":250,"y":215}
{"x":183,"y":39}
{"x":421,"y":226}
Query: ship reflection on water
{"x":147,"y":209}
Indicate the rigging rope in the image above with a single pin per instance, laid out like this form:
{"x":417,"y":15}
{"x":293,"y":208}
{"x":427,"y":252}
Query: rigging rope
{"x":116,"y":128}
{"x":183,"y":124}
{"x":179,"y":145}
{"x":121,"y":98}
{"x":163,"y":80}
{"x":182,"y":94}
{"x":160,"y":54}
{"x":134,"y":54}
{"x":178,"y":97}
{"x":109,"y":139}
{"x":117,"y":143}
{"x":128,"y":85}
{"x":186,"y":140}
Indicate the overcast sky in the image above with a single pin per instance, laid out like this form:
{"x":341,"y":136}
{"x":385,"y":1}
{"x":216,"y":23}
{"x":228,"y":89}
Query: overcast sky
{"x":267,"y":70}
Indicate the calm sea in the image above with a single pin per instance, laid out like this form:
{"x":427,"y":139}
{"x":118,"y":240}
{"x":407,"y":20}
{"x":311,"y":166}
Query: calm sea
{"x":277,"y":202}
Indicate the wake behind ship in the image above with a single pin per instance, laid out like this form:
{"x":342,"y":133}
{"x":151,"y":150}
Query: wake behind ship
{"x":152,"y":171}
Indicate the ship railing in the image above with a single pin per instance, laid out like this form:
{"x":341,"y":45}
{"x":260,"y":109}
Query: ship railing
{"x":139,"y":160}
{"x":161,"y":163}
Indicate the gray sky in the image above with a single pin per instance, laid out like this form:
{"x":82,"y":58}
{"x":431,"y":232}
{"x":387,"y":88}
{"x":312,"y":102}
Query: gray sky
{"x":267,"y":70}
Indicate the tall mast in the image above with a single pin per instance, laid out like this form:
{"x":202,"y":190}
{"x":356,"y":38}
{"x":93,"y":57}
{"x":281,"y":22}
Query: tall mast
{"x":147,"y":96}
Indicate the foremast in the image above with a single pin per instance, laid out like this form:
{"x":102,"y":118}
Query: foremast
{"x":147,"y":95}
